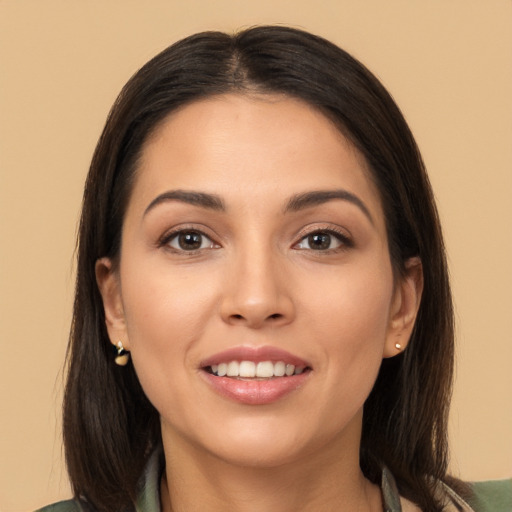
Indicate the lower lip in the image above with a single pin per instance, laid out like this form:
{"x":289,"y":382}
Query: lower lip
{"x":255,"y":392}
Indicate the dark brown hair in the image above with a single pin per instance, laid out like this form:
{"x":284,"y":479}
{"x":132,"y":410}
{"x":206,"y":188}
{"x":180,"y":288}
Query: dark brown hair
{"x":109,"y":425}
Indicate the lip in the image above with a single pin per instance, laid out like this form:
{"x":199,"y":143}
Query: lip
{"x":250,"y":391}
{"x":255,"y":392}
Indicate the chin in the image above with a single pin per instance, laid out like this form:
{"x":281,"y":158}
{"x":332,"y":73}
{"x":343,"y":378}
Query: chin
{"x":248,"y":442}
{"x":262,"y":454}
{"x":267,"y":444}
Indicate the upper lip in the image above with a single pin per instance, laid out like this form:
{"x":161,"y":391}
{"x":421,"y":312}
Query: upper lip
{"x":255,"y":354}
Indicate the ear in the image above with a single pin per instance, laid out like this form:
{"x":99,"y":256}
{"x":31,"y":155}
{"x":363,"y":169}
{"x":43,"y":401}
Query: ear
{"x":404,"y":308}
{"x":110,"y":290}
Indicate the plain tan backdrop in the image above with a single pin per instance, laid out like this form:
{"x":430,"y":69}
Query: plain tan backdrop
{"x":448,"y":64}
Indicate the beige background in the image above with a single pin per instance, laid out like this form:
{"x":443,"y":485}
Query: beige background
{"x":448,"y":63}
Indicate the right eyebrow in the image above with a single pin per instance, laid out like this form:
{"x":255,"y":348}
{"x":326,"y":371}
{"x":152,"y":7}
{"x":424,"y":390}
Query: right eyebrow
{"x":308,"y":199}
{"x":202,"y":199}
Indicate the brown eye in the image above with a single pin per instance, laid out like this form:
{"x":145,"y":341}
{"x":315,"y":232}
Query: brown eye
{"x":319,"y":241}
{"x":190,"y":241}
{"x":323,"y":241}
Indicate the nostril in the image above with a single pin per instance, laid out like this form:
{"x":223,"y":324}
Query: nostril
{"x":275,"y":316}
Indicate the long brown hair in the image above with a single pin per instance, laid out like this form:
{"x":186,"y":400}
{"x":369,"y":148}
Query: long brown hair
{"x":109,"y":425}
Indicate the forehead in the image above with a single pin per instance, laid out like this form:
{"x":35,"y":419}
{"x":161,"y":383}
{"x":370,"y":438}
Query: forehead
{"x":254,"y":143}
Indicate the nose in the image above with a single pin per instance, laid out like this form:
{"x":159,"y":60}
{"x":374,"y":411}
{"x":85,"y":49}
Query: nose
{"x":257,"y":292}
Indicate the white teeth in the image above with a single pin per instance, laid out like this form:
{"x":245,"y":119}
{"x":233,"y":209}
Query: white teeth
{"x":233,"y":369}
{"x":261,"y":370}
{"x":265,"y":369}
{"x":247,"y":369}
{"x":279,"y":369}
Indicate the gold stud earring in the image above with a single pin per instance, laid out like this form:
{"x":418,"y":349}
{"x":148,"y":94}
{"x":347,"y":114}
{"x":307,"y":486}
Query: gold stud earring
{"x":123,"y":356}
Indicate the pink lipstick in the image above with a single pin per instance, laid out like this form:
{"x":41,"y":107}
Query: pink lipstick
{"x":255,"y":375}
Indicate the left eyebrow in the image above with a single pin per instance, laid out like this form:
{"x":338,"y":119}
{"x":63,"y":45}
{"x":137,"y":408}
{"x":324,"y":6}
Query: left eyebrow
{"x":316,"y":197}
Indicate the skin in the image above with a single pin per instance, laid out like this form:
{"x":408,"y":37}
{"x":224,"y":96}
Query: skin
{"x":256,"y":281}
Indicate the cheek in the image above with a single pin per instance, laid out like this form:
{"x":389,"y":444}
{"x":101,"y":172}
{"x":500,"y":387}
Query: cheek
{"x":167,"y":310}
{"x":163,"y":300}
{"x":354,"y":302}
{"x":352,"y":319}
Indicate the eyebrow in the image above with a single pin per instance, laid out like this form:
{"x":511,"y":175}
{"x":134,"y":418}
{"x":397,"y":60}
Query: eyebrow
{"x":317,"y":197}
{"x":296,"y":203}
{"x":202,"y":199}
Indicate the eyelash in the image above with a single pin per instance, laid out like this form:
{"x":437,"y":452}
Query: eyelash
{"x":344,"y":241}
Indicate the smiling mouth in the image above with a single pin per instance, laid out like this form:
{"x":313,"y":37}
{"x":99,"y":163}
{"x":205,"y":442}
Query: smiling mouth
{"x":255,"y":375}
{"x":263,"y":370}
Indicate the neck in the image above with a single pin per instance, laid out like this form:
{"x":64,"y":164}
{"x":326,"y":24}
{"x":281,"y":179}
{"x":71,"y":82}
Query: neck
{"x":328,"y":480}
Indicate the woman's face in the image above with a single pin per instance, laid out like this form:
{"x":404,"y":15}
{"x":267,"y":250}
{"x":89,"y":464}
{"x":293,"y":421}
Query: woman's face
{"x":254,"y":235}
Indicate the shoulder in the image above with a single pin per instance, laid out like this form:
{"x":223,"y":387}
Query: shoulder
{"x":63,"y":506}
{"x":492,"y":496}
{"x":148,"y":498}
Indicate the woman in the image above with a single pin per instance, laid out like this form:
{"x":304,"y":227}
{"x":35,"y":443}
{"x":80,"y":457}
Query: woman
{"x":262,"y":315}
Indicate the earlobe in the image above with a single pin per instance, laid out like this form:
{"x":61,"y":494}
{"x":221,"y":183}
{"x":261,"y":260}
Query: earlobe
{"x":406,"y":303}
{"x":110,"y":290}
